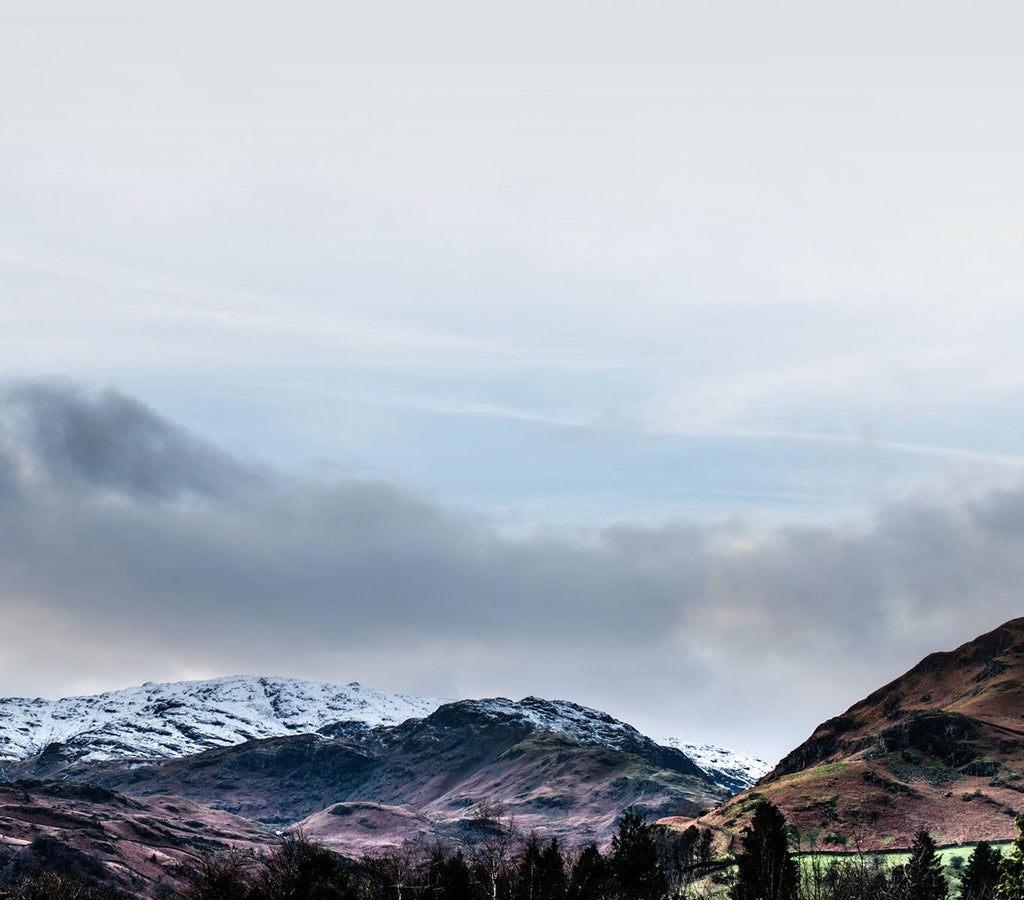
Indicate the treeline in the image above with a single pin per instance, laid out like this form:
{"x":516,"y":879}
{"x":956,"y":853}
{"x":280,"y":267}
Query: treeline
{"x":643,"y":863}
{"x":495,"y":862}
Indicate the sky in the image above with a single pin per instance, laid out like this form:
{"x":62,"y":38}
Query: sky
{"x":663,"y":357}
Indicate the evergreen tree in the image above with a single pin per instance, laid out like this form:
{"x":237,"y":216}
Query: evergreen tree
{"x":765,"y":870}
{"x":1011,"y":869}
{"x":458,"y":884}
{"x":589,"y":877}
{"x":922,"y":875}
{"x":634,"y":863}
{"x":528,"y":871}
{"x":553,"y":882}
{"x":981,"y":874}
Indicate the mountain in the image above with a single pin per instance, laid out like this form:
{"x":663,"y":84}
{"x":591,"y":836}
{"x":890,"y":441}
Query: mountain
{"x":165,"y":721}
{"x":180,"y":718}
{"x":279,"y":751}
{"x":561,"y":768}
{"x":939,"y":748}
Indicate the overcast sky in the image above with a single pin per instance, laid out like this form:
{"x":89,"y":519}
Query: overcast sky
{"x":664,"y":357}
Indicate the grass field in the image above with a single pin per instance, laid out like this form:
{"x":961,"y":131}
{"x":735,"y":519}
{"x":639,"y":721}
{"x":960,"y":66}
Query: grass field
{"x":954,"y":858}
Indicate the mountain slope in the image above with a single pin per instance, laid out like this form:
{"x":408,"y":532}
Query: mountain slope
{"x":166,"y":721}
{"x":938,"y":748}
{"x":556,"y":766}
{"x":136,"y":845}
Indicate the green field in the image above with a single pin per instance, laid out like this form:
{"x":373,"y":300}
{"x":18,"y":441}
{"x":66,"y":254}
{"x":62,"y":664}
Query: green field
{"x":954,"y":858}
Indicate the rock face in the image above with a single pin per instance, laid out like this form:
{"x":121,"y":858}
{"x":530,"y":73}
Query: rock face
{"x":939,"y":748}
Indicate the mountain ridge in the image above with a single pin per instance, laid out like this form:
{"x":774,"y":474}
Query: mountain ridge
{"x":571,"y":781}
{"x":175,"y":719}
{"x":939,"y":748}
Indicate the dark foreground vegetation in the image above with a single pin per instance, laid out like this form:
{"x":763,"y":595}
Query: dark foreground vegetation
{"x":642,"y":863}
{"x":496,"y":862}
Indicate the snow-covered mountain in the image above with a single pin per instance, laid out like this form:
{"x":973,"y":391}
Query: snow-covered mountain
{"x":185,"y":717}
{"x":731,"y":769}
{"x":167,"y":721}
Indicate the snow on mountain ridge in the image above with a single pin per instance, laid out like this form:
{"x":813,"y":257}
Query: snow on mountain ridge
{"x":166,"y":720}
{"x":581,"y":724}
{"x":180,"y":718}
{"x":729,"y":768}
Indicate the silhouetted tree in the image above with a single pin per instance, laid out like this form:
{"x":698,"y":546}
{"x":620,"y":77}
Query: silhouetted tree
{"x":449,"y":877}
{"x":388,"y":873}
{"x":922,"y":877}
{"x":704,"y":846}
{"x":493,"y":858}
{"x":981,"y":874}
{"x":856,"y":878}
{"x":61,"y":886}
{"x":1011,"y":869}
{"x":300,"y":869}
{"x":226,"y":876}
{"x":528,"y":871}
{"x":553,"y":882}
{"x":590,"y":875}
{"x":765,"y":870}
{"x":634,"y":863}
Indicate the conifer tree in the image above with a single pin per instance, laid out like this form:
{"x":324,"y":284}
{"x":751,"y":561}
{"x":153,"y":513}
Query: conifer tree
{"x":981,"y":874}
{"x":634,"y":862}
{"x":765,"y":870}
{"x":921,"y":878}
{"x":1011,"y":870}
{"x":528,"y":871}
{"x":553,"y":882}
{"x":589,"y":877}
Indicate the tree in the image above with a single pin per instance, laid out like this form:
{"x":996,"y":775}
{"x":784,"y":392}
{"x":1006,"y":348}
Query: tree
{"x":448,"y":877}
{"x":924,"y":870}
{"x":765,"y":870}
{"x":634,"y":862}
{"x":57,"y":886}
{"x":589,"y":877}
{"x":227,"y":875}
{"x":528,"y":871}
{"x":299,"y":869}
{"x":1011,"y":869}
{"x":922,"y":877}
{"x":981,"y":874}
{"x":553,"y":883}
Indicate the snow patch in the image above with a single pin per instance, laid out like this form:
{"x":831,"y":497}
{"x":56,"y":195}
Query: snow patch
{"x":729,"y":768}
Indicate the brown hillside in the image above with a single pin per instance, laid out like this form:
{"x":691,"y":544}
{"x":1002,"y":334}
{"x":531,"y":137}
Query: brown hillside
{"x":137,"y":845}
{"x":939,"y":748}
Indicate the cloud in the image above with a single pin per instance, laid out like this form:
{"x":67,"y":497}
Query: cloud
{"x":54,"y":434}
{"x":131,"y":549}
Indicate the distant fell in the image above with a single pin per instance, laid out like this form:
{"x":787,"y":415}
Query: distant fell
{"x":939,"y":748}
{"x":157,"y":721}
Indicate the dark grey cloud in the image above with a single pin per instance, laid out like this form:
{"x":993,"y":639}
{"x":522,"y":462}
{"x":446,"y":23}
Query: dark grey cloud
{"x":53,"y":431}
{"x":120,"y":530}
